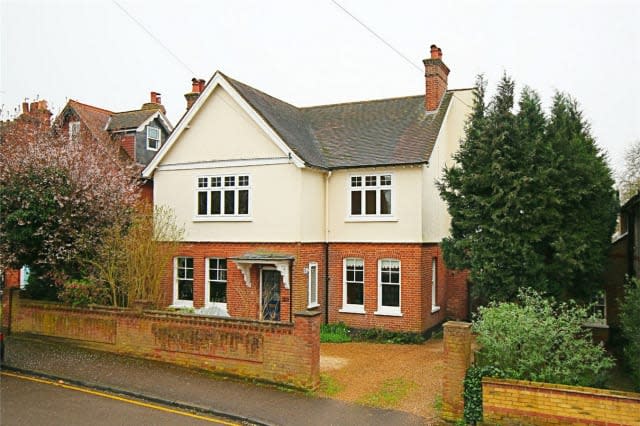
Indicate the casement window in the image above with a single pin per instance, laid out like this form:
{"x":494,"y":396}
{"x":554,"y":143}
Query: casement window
{"x":217,"y":282}
{"x":74,"y":130}
{"x":370,"y":195}
{"x":153,"y":138}
{"x":388,"y":287}
{"x":434,"y":285}
{"x":598,"y":310}
{"x":183,"y":281}
{"x":313,"y":285}
{"x":226,"y":195}
{"x":353,"y":286}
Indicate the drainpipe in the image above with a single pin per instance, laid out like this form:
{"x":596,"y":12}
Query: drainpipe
{"x":326,"y":248}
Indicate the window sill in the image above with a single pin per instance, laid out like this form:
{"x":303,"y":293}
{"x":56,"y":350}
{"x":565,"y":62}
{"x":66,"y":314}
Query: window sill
{"x":182,"y":304}
{"x":435,"y":309}
{"x":222,"y":219}
{"x":388,"y":313}
{"x":352,"y":310}
{"x":372,"y":218}
{"x":313,"y":306}
{"x":595,"y":325}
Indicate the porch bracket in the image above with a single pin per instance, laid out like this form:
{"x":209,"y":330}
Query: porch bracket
{"x":245,"y":268}
{"x":281,"y":265}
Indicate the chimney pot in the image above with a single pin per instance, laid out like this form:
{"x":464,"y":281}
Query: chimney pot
{"x":201,"y":83}
{"x":25,"y":107}
{"x":195,"y":85}
{"x":434,"y":51}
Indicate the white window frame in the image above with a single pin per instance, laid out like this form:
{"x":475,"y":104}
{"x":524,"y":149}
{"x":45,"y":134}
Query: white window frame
{"x":207,"y":288}
{"x":434,"y":285}
{"x":346,"y":307}
{"x":25,"y":271}
{"x":383,"y":309}
{"x":363,"y":187}
{"x":74,"y":130}
{"x":221,"y":181}
{"x":156,"y":145}
{"x":593,"y":321}
{"x":182,"y":303}
{"x":312,"y":284}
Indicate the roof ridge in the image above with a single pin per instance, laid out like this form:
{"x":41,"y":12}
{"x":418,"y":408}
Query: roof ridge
{"x":233,"y":80}
{"x":138,"y":110}
{"x":361,"y":102}
{"x":90,"y":106}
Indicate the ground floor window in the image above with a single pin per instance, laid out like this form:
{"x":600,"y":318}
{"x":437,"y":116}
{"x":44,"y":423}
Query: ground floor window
{"x":599,"y":309}
{"x":217,"y":281}
{"x":183,"y":281}
{"x":313,"y":284}
{"x":388,"y":286}
{"x":434,"y":285}
{"x":353,"y":290}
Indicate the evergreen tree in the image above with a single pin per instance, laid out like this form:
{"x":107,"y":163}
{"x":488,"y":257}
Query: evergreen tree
{"x":531,"y":198}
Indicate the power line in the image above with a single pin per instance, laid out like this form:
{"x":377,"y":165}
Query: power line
{"x":156,"y":39}
{"x":378,"y":37}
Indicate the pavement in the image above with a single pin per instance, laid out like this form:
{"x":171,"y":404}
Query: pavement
{"x":181,"y":387}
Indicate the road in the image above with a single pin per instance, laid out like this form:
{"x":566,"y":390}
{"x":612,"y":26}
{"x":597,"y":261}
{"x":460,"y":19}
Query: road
{"x":26,"y":400}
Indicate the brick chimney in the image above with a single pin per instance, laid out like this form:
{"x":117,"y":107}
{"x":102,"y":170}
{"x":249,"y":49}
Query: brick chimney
{"x":436,"y":74}
{"x":197,"y":86}
{"x":155,"y":102}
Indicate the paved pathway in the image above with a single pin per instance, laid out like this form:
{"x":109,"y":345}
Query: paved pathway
{"x":179,"y":386}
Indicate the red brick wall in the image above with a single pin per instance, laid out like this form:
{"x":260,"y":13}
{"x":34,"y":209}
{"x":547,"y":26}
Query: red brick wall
{"x":529,"y":403}
{"x":457,"y":295}
{"x":416,"y":263}
{"x":128,"y":143}
{"x":243,"y":301}
{"x":457,"y":358}
{"x":287,"y":353}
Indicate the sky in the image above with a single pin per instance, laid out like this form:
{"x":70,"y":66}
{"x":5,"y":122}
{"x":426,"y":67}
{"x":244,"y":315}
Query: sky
{"x":113,"y":53}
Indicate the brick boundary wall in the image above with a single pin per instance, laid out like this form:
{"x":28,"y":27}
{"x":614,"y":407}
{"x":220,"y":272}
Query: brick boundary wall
{"x":457,"y":358}
{"x":278,"y":352}
{"x":529,"y":403}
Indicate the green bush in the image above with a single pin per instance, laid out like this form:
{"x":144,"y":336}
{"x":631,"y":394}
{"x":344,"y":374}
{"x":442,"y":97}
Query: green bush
{"x":541,"y":340}
{"x":334,"y":333}
{"x":83,"y":292}
{"x":630,"y":327}
{"x":379,"y":335}
{"x":473,"y":391}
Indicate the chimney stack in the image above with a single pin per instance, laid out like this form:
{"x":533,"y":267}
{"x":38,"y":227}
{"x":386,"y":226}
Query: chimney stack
{"x":436,"y":74}
{"x":197,"y":87}
{"x":155,"y":102}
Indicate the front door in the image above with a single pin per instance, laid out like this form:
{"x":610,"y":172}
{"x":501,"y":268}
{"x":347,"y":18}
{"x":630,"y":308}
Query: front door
{"x":270,"y":295}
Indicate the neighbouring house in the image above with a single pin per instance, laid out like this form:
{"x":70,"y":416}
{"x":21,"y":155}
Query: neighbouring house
{"x":624,"y":259}
{"x":139,"y":133}
{"x":332,"y":208}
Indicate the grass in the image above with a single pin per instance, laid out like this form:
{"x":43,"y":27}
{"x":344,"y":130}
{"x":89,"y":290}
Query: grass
{"x":334,"y":333}
{"x":389,"y":395}
{"x":328,"y":385}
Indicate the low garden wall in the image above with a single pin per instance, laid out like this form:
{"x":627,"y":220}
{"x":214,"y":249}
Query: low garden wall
{"x":530,"y":403}
{"x":286,"y":353}
{"x":517,"y":402}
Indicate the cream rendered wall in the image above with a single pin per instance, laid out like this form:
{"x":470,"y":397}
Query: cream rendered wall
{"x":406,"y":208}
{"x":312,"y":205}
{"x":435,"y":218}
{"x":221,"y":131}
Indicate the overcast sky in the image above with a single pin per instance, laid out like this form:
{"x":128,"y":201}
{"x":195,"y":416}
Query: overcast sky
{"x":111,"y":54}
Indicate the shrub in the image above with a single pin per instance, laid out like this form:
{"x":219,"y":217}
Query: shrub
{"x":630,"y":327}
{"x":473,"y":391}
{"x":82,"y":292}
{"x":334,"y":333}
{"x":379,"y":335}
{"x":541,"y":340}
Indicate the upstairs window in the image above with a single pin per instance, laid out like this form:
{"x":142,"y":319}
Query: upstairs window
{"x":153,"y":138}
{"x":223,"y":195}
{"x":74,"y":130}
{"x":371,"y":195}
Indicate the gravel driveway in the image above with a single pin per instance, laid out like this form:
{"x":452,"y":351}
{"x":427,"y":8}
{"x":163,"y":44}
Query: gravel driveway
{"x":402,"y":377}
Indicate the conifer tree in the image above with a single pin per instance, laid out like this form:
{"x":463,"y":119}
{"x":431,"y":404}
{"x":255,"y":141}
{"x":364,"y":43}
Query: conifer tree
{"x":531,"y":198}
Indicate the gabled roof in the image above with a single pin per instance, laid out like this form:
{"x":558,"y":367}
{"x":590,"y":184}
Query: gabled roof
{"x":385,"y":132}
{"x":129,"y":119}
{"x":93,"y":117}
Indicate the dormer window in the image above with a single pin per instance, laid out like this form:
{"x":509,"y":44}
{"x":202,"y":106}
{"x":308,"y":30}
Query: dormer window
{"x":74,"y":130}
{"x":153,"y":138}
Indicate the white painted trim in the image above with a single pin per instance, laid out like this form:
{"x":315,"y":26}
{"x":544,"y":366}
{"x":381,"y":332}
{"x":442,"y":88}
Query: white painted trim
{"x":351,"y":309}
{"x":355,"y":219}
{"x":346,"y":307}
{"x":207,"y":289}
{"x":389,"y":310}
{"x":163,"y":120}
{"x":216,"y":81}
{"x":147,"y":138}
{"x":222,"y":219}
{"x":310,"y":303}
{"x":179,"y":302}
{"x":216,"y":164}
{"x":363,"y":217}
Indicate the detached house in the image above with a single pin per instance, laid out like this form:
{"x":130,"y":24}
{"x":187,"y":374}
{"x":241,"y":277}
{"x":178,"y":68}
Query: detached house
{"x":139,"y":133}
{"x":332,"y":207}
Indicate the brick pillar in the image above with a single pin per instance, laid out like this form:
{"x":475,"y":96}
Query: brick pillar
{"x":307,"y":329}
{"x":10,"y":299}
{"x":457,"y":358}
